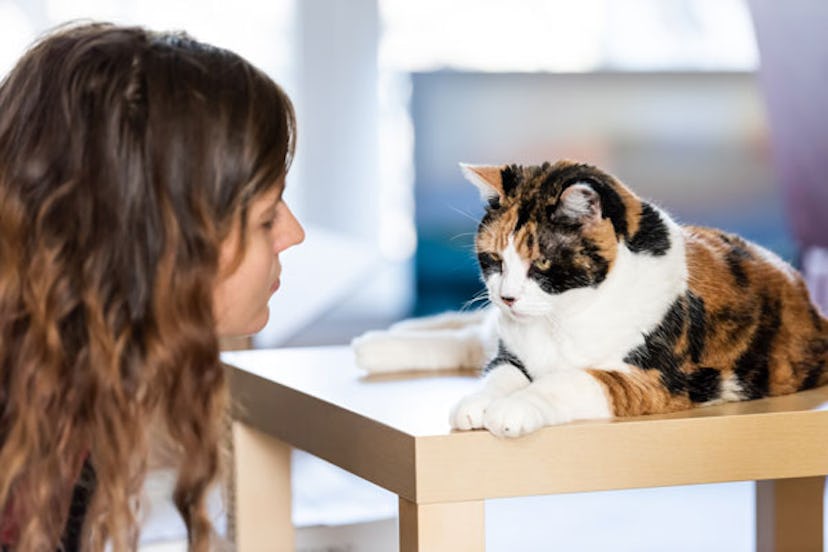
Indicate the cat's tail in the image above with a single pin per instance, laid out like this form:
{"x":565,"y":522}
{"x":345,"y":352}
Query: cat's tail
{"x":450,"y":341}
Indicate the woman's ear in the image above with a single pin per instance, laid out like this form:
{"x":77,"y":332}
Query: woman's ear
{"x":487,"y":178}
{"x":580,"y":201}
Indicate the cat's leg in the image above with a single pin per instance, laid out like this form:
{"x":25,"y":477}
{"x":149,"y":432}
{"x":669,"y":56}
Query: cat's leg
{"x":501,"y":380}
{"x":561,"y":397}
{"x":550,"y":399}
{"x":449,"y":341}
{"x":394,"y":351}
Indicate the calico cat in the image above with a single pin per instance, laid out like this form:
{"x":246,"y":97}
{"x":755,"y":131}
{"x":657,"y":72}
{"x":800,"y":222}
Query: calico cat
{"x":604,"y":306}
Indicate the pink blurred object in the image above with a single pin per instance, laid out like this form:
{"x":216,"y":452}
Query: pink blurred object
{"x":794,"y":78}
{"x":815,"y":267}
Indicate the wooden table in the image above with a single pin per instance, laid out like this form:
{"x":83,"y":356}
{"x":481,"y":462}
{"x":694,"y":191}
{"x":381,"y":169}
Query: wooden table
{"x":393,"y":431}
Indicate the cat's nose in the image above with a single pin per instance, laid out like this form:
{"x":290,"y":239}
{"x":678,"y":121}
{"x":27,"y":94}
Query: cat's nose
{"x":507,"y":300}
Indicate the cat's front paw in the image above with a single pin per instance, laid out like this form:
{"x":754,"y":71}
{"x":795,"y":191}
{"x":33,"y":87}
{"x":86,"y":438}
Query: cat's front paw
{"x":513,"y":416}
{"x":470,"y":411}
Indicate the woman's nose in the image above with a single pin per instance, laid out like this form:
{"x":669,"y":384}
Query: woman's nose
{"x":294,"y":233}
{"x":300,"y":231}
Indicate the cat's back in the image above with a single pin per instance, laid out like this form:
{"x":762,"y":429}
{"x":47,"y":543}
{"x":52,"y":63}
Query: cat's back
{"x":725,"y":267}
{"x":755,"y":309}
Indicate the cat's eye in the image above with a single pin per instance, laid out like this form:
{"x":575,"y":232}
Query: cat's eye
{"x":489,"y":261}
{"x":542,"y":264}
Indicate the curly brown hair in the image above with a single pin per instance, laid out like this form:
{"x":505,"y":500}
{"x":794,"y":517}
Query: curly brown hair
{"x":125,"y":158}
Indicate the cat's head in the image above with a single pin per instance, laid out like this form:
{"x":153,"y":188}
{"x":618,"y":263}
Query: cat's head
{"x":548,"y":230}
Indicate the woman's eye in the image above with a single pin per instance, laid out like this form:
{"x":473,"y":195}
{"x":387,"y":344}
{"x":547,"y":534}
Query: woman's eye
{"x":268,"y":224}
{"x":542,"y":264}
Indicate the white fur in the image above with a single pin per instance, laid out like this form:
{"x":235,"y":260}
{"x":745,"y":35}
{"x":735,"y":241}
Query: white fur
{"x":509,"y":406}
{"x":500,"y":382}
{"x":444,"y":342}
{"x":730,"y":390}
{"x":513,"y":278}
{"x":594,"y":327}
{"x":551,"y":399}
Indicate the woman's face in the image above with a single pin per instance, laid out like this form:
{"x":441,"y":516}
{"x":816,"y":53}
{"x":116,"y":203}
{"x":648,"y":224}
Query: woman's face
{"x":240,"y":297}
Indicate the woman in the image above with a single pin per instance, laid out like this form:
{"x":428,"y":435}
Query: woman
{"x":141,"y":219}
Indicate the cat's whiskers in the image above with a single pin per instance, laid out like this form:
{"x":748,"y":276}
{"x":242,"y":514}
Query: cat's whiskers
{"x":465,"y":214}
{"x":463,"y":235}
{"x":481,"y":297}
{"x":469,"y":248}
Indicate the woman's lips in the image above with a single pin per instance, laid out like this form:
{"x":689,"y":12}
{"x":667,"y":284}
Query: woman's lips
{"x":274,"y":287}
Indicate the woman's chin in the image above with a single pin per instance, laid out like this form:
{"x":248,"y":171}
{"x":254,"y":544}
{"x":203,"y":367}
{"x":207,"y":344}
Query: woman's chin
{"x":245,"y":330}
{"x":261,"y":321}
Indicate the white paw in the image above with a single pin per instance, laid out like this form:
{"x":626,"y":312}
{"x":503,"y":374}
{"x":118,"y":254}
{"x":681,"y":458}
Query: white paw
{"x":513,"y":416}
{"x":469,"y":412}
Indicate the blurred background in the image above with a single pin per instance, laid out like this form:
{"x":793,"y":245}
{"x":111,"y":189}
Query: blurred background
{"x":391,"y":94}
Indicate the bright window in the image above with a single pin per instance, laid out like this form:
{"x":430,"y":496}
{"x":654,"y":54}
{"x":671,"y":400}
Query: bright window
{"x":259,"y":30}
{"x":567,"y":36}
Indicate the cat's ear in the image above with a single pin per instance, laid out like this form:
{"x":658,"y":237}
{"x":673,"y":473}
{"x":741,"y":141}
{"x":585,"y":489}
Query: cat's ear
{"x":580,"y":201}
{"x":487,"y":178}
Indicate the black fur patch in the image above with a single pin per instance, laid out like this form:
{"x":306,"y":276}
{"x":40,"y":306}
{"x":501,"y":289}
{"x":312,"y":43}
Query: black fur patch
{"x":734,"y":259}
{"x":658,"y":350}
{"x":505,"y":356}
{"x":815,"y":363}
{"x":488,"y":264}
{"x":612,"y":207}
{"x":697,"y":330}
{"x":812,"y":379}
{"x":524,"y":213}
{"x":510,"y":177}
{"x":753,"y":366}
{"x":564,"y":224}
{"x":704,"y":385}
{"x":652,"y":236}
{"x":565,"y":272}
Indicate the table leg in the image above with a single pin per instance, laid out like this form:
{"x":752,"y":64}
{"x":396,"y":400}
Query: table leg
{"x":261,"y":502}
{"x":445,"y":527}
{"x":789,"y":514}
